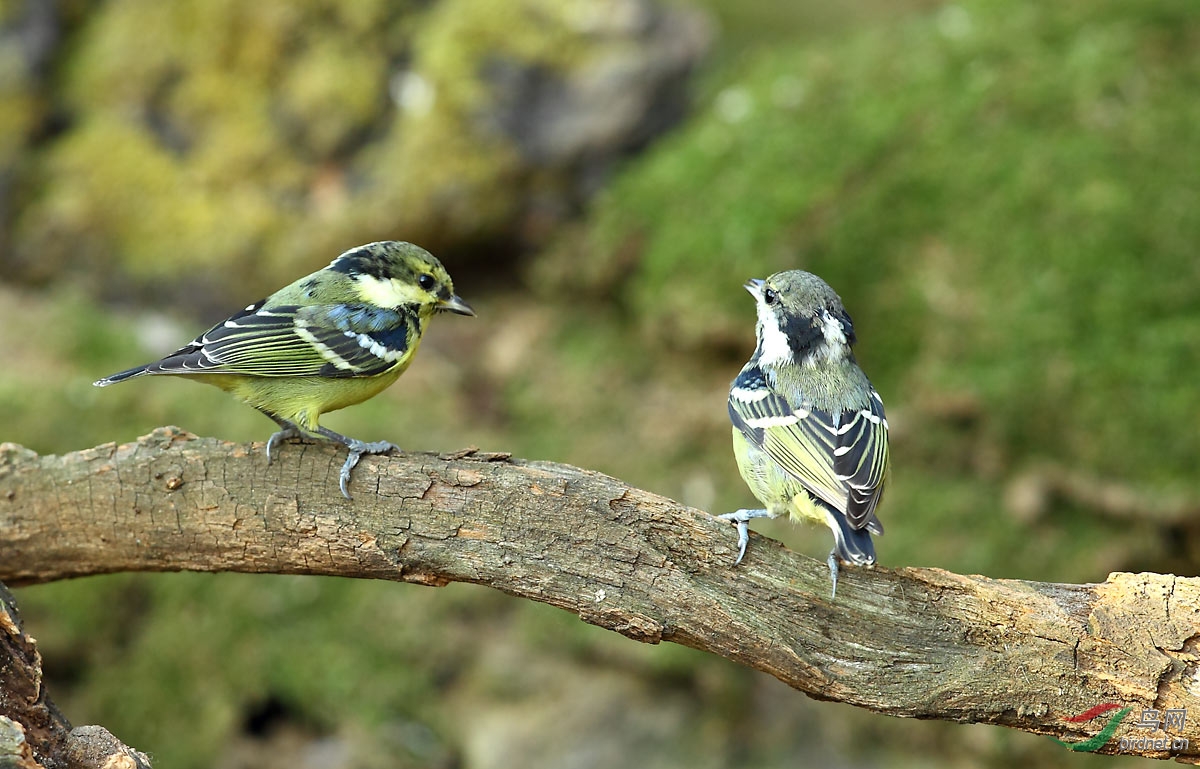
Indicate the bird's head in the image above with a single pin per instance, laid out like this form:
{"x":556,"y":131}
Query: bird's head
{"x":800,"y":320}
{"x":393,"y":273}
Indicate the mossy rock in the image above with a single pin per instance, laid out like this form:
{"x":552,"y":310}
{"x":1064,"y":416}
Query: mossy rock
{"x":252,"y":143}
{"x":1000,"y":193}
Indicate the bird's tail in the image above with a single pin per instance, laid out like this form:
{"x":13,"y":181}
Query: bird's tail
{"x":851,"y":545}
{"x":121,"y":376}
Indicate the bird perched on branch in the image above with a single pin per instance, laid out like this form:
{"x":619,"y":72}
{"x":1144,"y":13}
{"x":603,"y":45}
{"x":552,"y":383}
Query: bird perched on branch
{"x":331,"y":339}
{"x":809,"y":432}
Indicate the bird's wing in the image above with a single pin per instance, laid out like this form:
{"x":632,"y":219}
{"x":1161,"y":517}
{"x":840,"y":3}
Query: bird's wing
{"x":288,"y":341}
{"x":840,"y":457}
{"x":861,"y":461}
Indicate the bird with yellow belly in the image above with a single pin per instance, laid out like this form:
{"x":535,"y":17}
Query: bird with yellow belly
{"x":329,"y":340}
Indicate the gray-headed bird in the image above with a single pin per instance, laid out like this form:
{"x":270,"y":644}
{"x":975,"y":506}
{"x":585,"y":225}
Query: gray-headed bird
{"x":331,"y":339}
{"x":809,"y":432}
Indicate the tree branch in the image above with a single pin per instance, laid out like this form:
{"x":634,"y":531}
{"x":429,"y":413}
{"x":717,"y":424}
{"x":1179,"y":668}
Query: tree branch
{"x":911,"y":642}
{"x":30,"y":726}
{"x":33,"y":733}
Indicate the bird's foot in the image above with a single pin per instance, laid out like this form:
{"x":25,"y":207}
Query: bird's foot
{"x":833,"y":572}
{"x":357,"y":449}
{"x":741,"y":518}
{"x":285,"y":433}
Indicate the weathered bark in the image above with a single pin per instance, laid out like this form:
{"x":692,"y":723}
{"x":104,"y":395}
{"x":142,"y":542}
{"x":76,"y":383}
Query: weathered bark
{"x":912,"y":642}
{"x":33,"y":733}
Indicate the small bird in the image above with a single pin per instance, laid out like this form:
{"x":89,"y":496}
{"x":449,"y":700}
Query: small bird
{"x":329,"y":340}
{"x":809,"y":433}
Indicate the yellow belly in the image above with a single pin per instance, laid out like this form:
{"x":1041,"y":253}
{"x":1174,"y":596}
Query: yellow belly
{"x":302,"y":400}
{"x":779,"y":492}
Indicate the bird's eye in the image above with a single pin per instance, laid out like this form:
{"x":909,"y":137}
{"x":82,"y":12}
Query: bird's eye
{"x":769,"y":295}
{"x":426,"y":282}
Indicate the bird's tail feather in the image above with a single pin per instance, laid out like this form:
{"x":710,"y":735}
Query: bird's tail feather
{"x":121,"y":376}
{"x":851,"y":545}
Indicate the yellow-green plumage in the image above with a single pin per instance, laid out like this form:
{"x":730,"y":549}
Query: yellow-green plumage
{"x":809,"y":431}
{"x":302,"y":400}
{"x":329,"y":340}
{"x":778,"y":490}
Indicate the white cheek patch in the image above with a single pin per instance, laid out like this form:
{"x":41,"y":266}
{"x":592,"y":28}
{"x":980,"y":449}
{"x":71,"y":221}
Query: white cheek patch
{"x":776,"y":349}
{"x":831,"y":327}
{"x":388,"y":292}
{"x":835,"y":346}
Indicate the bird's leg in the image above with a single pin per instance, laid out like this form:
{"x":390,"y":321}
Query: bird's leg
{"x":357,"y":449}
{"x":286,"y":431}
{"x":740,"y":518}
{"x":833,"y":571}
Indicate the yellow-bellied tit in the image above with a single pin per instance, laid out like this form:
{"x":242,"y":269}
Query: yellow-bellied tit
{"x":331,"y":339}
{"x":809,"y":432}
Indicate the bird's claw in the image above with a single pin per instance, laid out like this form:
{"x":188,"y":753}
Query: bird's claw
{"x":357,"y":449}
{"x":286,"y":433}
{"x":833,"y":572}
{"x":741,"y":518}
{"x":743,"y":529}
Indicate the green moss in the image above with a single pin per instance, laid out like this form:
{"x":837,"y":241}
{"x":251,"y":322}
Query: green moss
{"x":998,"y":192}
{"x":333,"y":92}
{"x":141,"y":200}
{"x":213,"y":152}
{"x":443,"y":166}
{"x":19,"y":106}
{"x":249,"y":142}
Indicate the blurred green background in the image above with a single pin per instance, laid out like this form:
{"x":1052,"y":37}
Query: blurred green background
{"x":1005,"y":194}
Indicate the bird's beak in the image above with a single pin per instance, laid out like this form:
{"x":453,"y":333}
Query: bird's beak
{"x":755,"y":287}
{"x":455,"y":304}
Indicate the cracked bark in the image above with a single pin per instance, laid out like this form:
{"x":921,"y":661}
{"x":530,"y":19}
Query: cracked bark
{"x":911,"y":642}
